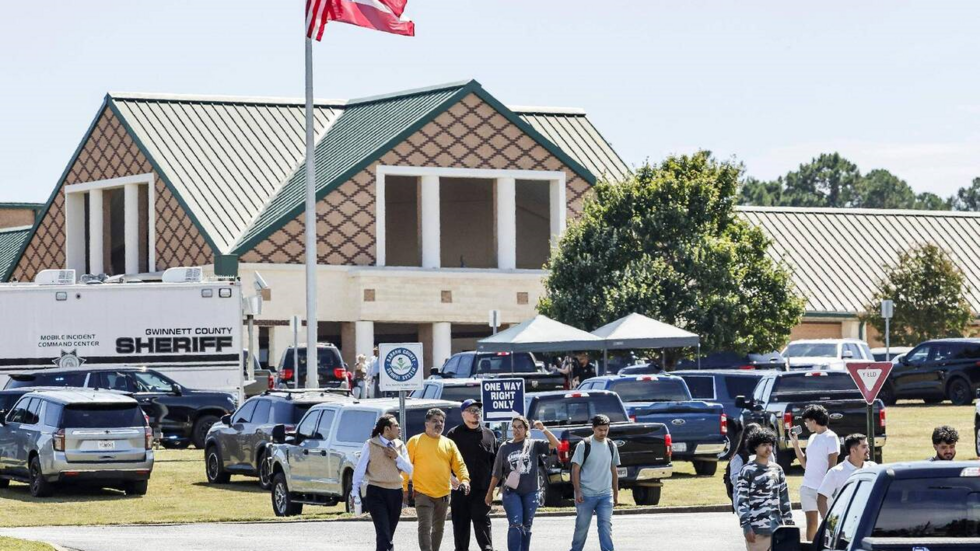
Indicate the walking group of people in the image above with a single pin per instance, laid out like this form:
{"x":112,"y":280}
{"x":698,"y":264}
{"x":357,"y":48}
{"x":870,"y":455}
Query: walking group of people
{"x":462,"y":470}
{"x":758,"y":484}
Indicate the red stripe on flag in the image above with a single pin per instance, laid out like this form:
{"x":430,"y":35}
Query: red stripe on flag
{"x":396,"y":6}
{"x":370,"y":17}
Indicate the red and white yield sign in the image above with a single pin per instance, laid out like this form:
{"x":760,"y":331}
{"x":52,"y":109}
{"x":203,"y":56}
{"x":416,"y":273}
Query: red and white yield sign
{"x":869,"y":377}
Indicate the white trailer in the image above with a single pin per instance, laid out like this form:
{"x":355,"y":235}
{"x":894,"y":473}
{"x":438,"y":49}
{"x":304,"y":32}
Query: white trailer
{"x":191,"y":331}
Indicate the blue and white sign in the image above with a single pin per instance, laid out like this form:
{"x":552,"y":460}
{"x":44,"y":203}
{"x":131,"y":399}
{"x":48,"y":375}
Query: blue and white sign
{"x":401,"y":366}
{"x":503,"y":399}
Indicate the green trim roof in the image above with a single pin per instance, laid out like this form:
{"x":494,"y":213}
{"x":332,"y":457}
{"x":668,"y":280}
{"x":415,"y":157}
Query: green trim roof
{"x":11,"y":242}
{"x":25,"y":206}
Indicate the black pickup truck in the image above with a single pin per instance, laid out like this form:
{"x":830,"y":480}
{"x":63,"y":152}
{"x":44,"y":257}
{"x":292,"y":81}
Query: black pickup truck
{"x":489,"y":365}
{"x":644,"y":448}
{"x":780,"y":397}
{"x":927,"y":506}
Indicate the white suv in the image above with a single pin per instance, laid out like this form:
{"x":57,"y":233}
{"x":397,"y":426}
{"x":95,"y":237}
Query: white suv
{"x":826,"y":353}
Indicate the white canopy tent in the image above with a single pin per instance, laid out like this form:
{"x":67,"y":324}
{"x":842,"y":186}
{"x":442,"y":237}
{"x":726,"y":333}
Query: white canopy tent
{"x":639,"y":331}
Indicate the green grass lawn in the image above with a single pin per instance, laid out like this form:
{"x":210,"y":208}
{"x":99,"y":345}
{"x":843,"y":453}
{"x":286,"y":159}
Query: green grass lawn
{"x":11,"y":544}
{"x":179,"y":492}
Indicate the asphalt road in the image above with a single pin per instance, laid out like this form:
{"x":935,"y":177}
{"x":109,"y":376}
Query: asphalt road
{"x":695,"y":531}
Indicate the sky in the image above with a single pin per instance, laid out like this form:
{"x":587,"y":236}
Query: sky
{"x":769,"y":84}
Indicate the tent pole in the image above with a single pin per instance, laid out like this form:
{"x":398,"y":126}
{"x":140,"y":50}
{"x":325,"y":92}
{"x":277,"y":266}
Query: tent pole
{"x":699,"y":354}
{"x":605,"y":361}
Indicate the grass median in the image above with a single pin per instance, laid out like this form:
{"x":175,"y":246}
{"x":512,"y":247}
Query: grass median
{"x":179,"y":492}
{"x":11,"y":544}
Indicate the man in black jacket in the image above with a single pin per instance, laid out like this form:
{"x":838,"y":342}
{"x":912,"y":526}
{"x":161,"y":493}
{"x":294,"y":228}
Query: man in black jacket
{"x":478,"y":446}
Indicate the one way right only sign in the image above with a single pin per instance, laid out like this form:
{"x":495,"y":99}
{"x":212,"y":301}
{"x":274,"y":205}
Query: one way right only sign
{"x":869,"y":377}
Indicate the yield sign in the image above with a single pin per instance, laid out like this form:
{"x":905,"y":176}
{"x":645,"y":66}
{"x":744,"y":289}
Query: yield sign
{"x":869,"y":377}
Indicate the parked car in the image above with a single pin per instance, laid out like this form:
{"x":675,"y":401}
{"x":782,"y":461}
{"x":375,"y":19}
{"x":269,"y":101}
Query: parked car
{"x":735,"y":360}
{"x":780,"y":397}
{"x":179,"y":416}
{"x":927,"y":506}
{"x":881,"y":354}
{"x":487,"y":365}
{"x":723,"y":387}
{"x":331,"y":369}
{"x":76,"y":436}
{"x":314,"y":465}
{"x":826,"y":353}
{"x":238,"y":444}
{"x":456,"y":390}
{"x":644,"y":448}
{"x":936,"y":370}
{"x":650,"y":368}
{"x":264,"y":379}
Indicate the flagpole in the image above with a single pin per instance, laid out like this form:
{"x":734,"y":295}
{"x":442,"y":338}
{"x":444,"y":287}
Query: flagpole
{"x":312,"y":379}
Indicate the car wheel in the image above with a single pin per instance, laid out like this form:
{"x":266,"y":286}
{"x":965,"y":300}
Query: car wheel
{"x":39,"y":486}
{"x":887,"y":394}
{"x":879,"y":455}
{"x":547,"y":495}
{"x":136,"y":488}
{"x":265,"y":470}
{"x":214,"y":468}
{"x":282,"y":502}
{"x":647,"y":495}
{"x":705,"y":468}
{"x":976,"y":433}
{"x":959,"y":392}
{"x":201,"y":428}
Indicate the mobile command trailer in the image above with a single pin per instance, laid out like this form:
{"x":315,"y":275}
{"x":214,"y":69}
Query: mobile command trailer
{"x":189,"y":330}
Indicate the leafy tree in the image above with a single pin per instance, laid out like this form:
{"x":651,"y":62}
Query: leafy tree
{"x":967,"y":198}
{"x":667,"y":243}
{"x":931,"y":201}
{"x":880,"y":189}
{"x":929,"y":292}
{"x":760,"y":193}
{"x":827,"y":181}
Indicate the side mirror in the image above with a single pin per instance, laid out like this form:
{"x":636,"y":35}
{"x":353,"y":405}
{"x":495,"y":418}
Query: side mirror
{"x":278,"y":434}
{"x":434,"y":371}
{"x":177,"y":390}
{"x":847,"y":354}
{"x":904,"y":360}
{"x":786,"y":538}
{"x":741,"y":402}
{"x":226,"y":420}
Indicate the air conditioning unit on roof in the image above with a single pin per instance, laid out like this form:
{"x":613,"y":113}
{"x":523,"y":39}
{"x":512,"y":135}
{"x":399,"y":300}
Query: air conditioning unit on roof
{"x":55,"y":277}
{"x":183,"y":275}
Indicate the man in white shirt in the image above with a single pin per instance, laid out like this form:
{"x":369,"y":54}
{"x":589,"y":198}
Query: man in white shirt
{"x":858,"y":455}
{"x":822,"y":450}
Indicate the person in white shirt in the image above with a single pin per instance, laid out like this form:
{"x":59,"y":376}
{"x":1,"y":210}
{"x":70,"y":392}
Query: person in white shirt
{"x":858,"y":455}
{"x":822,"y":450}
{"x":382,"y":467}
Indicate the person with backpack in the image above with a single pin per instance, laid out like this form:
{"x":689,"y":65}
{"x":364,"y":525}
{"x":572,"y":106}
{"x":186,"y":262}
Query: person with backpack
{"x":596,"y":484}
{"x":740,"y":457}
{"x":516,"y":465}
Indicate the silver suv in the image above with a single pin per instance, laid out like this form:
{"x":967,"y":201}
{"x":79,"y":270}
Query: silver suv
{"x":315,"y":464}
{"x":69,"y":436}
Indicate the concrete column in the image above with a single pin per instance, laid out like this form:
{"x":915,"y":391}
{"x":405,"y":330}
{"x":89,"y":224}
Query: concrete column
{"x":431,"y":246}
{"x":506,"y":195}
{"x":442,"y":342}
{"x":558,"y":209}
{"x":75,"y":232}
{"x":364,"y":338}
{"x":347,"y":343}
{"x":96,"y":258}
{"x":131,"y":215}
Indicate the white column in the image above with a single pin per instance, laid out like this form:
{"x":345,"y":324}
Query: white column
{"x":379,"y":221}
{"x":75,"y":232}
{"x":95,"y":255}
{"x":850,"y":329}
{"x":131,"y":215}
{"x":431,"y":247}
{"x":364,"y":338}
{"x":442,"y":342}
{"x":506,"y":193}
{"x":558,"y":208}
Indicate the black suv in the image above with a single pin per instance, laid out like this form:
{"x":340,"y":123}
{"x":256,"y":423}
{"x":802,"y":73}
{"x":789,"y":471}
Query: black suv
{"x":936,"y":370}
{"x":331,"y":369}
{"x":181,"y":416}
{"x":237,"y":445}
{"x":735,"y":360}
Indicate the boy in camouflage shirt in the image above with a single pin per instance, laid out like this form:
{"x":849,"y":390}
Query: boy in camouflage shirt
{"x":762,"y":498}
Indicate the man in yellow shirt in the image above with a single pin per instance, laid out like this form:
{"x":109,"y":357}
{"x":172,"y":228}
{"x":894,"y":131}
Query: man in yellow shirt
{"x":435,"y":459}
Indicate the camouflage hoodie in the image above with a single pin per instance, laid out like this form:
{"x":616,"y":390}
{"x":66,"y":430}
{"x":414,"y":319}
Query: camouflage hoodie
{"x":762,"y":498}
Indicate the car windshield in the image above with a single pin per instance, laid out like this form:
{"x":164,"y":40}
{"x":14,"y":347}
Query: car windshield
{"x":818,"y":381}
{"x":147,"y":381}
{"x":656,"y":390}
{"x":460,"y":393}
{"x":500,"y":363}
{"x":415,"y":422}
{"x":930,"y":508}
{"x":811,"y":350}
{"x":47,"y":379}
{"x":327,"y":358}
{"x":559,"y":410}
{"x":97,"y":416}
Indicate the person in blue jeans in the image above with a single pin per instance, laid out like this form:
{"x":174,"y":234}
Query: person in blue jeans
{"x":596,"y":484}
{"x":516,"y":466}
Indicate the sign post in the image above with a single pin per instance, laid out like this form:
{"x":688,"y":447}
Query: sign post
{"x":295,"y":323}
{"x":494,"y":320}
{"x":401,"y":370}
{"x":869,"y":378}
{"x":887,"y":311}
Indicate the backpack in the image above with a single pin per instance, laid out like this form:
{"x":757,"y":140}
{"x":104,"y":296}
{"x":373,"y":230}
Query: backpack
{"x":729,"y":488}
{"x":588,"y":449}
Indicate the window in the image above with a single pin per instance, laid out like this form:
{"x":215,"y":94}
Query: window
{"x":288,"y":413}
{"x":430,"y":391}
{"x":930,"y":508}
{"x":850,"y":524}
{"x":114,"y":381}
{"x":701,"y":387}
{"x":501,"y":363}
{"x":308,"y":426}
{"x":805,"y":382}
{"x":52,"y":414}
{"x":943,"y":352}
{"x":658,"y":390}
{"x":835,"y":516}
{"x":968,"y":352}
{"x":17,"y":414}
{"x":854,"y":350}
{"x":739,"y":386}
{"x":866,"y":350}
{"x":465,"y":366}
{"x":98,"y":416}
{"x":323,"y":427}
{"x":356,"y":426}
{"x":244,"y":413}
{"x":147,"y":381}
{"x":919,"y":355}
{"x":261,"y":415}
{"x":451,"y":365}
{"x":811,"y":350}
{"x":34,"y":411}
{"x":578,"y":411}
{"x":76,"y":378}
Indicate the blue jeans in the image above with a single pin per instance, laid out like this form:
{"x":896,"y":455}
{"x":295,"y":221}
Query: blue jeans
{"x":520,"y":514}
{"x":602,"y":507}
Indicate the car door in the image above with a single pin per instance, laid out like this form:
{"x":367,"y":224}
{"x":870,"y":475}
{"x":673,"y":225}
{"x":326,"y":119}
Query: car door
{"x":905,"y":372}
{"x":234,"y":456}
{"x":8,"y":435}
{"x":352,"y":431}
{"x":175,"y":412}
{"x":323,"y":478}
{"x":24,"y":436}
{"x":299,"y":455}
{"x":257,"y":431}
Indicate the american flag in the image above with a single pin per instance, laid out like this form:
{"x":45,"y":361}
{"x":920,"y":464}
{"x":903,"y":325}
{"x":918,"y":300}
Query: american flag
{"x":380,"y":15}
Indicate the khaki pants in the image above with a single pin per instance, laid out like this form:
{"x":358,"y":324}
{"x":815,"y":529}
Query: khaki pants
{"x":762,"y":543}
{"x":432,"y":518}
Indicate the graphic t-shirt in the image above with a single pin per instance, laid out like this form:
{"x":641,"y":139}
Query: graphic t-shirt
{"x":521,"y":457}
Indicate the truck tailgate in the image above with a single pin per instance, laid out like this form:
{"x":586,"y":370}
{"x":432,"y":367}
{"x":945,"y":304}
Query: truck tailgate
{"x":688,"y":423}
{"x":847,"y":416}
{"x":640,"y":444}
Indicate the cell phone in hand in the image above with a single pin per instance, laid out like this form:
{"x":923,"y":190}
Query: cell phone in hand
{"x":797,"y":430}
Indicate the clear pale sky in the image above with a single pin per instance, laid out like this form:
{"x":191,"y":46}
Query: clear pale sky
{"x":889,"y":84}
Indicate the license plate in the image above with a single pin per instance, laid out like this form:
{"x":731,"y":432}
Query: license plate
{"x":107,"y":444}
{"x":620,"y":471}
{"x":680,"y":447}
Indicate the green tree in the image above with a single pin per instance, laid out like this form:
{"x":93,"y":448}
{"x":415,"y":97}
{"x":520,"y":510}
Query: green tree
{"x":929,"y":292}
{"x":880,"y":189}
{"x":827,"y":181}
{"x":760,"y":193}
{"x":667,"y":243}
{"x":967,"y":198}
{"x":931,"y":201}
